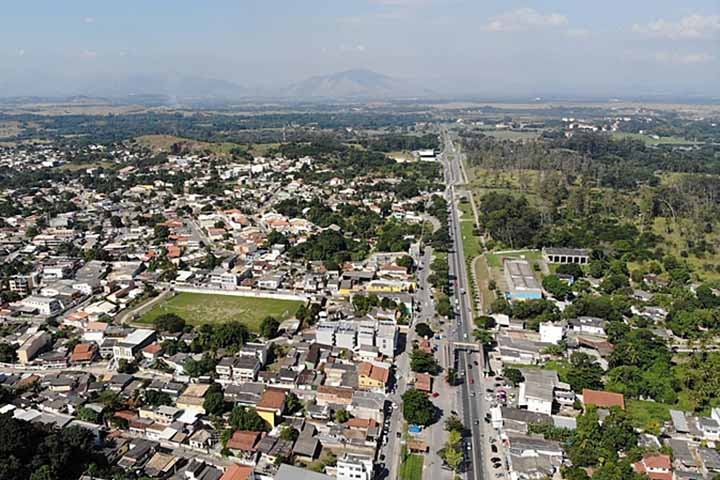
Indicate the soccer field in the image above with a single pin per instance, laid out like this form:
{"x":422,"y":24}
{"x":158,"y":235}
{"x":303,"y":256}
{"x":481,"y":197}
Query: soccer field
{"x":199,"y":308}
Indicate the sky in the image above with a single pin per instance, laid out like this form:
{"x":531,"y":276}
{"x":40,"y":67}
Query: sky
{"x":478,"y":47}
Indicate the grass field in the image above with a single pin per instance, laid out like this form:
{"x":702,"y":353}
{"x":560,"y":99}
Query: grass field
{"x":199,"y":308}
{"x":655,"y":141}
{"x":163,"y":143}
{"x":648,"y":416}
{"x":411,"y":467}
{"x":494,"y":259}
{"x":511,"y":135}
{"x":471,"y":242}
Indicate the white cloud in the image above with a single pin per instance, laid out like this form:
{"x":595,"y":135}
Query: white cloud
{"x":401,"y":3}
{"x":578,"y":33}
{"x":690,"y":27}
{"x":352,"y":48}
{"x":683,"y":58}
{"x":20,"y":53}
{"x":89,"y":53}
{"x":525,"y":19}
{"x":89,"y":20}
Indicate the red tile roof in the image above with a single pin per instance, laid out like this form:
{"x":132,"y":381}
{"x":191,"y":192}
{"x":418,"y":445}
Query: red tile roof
{"x":243,"y":440}
{"x":655,"y":466}
{"x":237,"y":472}
{"x":272,"y":399}
{"x":603,"y":399}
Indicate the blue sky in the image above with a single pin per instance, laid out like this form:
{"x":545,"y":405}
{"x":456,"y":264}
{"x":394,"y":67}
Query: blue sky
{"x":451,"y":46}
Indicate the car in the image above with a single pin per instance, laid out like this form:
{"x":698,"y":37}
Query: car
{"x":469,"y":447}
{"x":435,"y":394}
{"x":398,"y":434}
{"x":499,"y":475}
{"x":472,"y":381}
{"x":476,"y":362}
{"x":489,"y":390}
{"x":472,"y":394}
{"x":469,"y":366}
{"x":476,"y":422}
{"x":496,"y":460}
{"x":493,"y":448}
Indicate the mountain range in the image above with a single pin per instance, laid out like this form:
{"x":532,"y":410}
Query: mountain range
{"x":350,"y":84}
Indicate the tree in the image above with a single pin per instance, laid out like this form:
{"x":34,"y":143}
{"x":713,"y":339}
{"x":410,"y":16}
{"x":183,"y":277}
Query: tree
{"x":556,"y":287}
{"x":157,"y":398}
{"x":269,"y":327}
{"x":88,"y":415}
{"x":405,"y":261}
{"x":572,"y":269}
{"x":485,"y":321}
{"x":169,"y":322}
{"x":292,"y":403}
{"x":125,"y":366}
{"x":484,"y":337}
{"x":424,"y":330}
{"x":243,"y":418}
{"x":289,"y":434}
{"x":514,"y":376}
{"x":417,"y":408}
{"x":423,"y":362}
{"x":584,"y":372}
{"x":8,"y":353}
{"x":454,"y":424}
{"x":214,"y":402}
{"x":342,"y":416}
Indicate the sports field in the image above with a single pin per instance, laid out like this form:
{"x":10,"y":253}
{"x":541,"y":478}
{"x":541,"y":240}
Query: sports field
{"x":199,"y":308}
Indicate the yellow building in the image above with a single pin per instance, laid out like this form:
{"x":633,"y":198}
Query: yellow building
{"x":271,"y":405}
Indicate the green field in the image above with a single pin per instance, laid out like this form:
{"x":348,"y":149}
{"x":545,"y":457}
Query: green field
{"x":411,"y":467}
{"x":493,"y":259}
{"x":471,"y":242}
{"x":199,"y":308}
{"x":648,"y":416}
{"x":655,"y":141}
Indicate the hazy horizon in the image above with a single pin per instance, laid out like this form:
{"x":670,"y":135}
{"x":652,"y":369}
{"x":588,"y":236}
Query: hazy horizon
{"x":451,"y":47}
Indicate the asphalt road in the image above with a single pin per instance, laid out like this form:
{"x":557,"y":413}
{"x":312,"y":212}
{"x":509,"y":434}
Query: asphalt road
{"x":471,"y":392}
{"x":424,"y":302}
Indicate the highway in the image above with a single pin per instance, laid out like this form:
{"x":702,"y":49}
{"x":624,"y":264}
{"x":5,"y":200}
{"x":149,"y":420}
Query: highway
{"x":472,"y":404}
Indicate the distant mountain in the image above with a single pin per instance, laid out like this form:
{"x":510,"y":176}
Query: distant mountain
{"x":170,"y":85}
{"x":353,"y":84}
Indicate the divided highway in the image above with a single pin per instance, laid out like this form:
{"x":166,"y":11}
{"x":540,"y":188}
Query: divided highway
{"x":470,"y":365}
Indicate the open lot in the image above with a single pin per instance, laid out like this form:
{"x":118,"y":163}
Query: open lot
{"x":199,"y":308}
{"x":411,"y":467}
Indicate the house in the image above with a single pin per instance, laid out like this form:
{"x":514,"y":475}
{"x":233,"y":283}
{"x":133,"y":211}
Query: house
{"x":372,"y":376}
{"x":243,"y":442}
{"x":423,"y":382}
{"x":656,"y":466}
{"x":536,"y":393}
{"x":271,"y":405}
{"x":288,"y":472}
{"x":355,"y":467}
{"x":238,"y":472}
{"x":334,"y":396}
{"x":129,"y":347}
{"x":84,"y":353}
{"x":603,"y":399}
{"x":552,"y":332}
{"x":43,"y":305}
{"x":588,"y":325}
{"x":201,"y":440}
{"x":193,"y":397}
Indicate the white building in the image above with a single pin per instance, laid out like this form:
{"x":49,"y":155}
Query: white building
{"x":552,"y":332}
{"x":44,"y":305}
{"x":131,"y":345}
{"x":352,"y":466}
